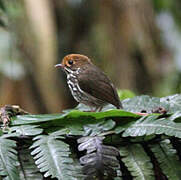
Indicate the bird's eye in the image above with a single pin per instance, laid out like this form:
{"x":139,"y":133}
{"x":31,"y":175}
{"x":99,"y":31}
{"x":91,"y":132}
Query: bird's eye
{"x":70,"y":62}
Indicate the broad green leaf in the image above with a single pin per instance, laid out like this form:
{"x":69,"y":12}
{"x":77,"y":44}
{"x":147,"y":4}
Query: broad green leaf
{"x":168,"y":159}
{"x":52,"y":157}
{"x":74,"y":116}
{"x":78,"y":122}
{"x":151,"y":125}
{"x":137,"y":162}
{"x":34,"y":119}
{"x":8,"y":159}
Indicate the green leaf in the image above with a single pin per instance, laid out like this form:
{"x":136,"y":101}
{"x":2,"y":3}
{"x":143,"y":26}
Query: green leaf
{"x":168,"y":159}
{"x":176,"y":117}
{"x":52,"y":156}
{"x":78,"y":122}
{"x":148,"y":104}
{"x":120,"y":128}
{"x":143,"y":103}
{"x":137,"y":161}
{"x":34,"y":119}
{"x":151,"y":125}
{"x":173,"y":102}
{"x":28,"y":169}
{"x":72,"y":116}
{"x":102,"y":115}
{"x":26,"y":130}
{"x":98,"y":128}
{"x":8,"y":159}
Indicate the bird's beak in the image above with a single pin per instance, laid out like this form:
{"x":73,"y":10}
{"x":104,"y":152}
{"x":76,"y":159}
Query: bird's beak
{"x":59,"y":65}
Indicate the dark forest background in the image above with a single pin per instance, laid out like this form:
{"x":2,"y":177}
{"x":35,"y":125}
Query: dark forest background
{"x":136,"y":42}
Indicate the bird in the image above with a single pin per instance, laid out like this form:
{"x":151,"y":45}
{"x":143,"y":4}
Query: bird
{"x":88,"y":84}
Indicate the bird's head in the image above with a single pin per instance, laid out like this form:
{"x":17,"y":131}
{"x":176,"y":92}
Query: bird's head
{"x":72,"y":62}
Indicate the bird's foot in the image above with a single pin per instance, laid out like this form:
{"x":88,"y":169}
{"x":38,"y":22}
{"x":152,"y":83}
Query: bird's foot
{"x":91,"y":110}
{"x":159,"y":110}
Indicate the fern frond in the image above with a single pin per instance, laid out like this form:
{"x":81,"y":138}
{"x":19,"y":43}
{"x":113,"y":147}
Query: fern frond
{"x":173,"y":102}
{"x":99,"y":127}
{"x":137,"y":161}
{"x":147,"y":103}
{"x":52,"y":156}
{"x":99,"y":160}
{"x":27,"y":130}
{"x":168,"y":159}
{"x":151,"y":125}
{"x":28,"y":169}
{"x":140,"y":103}
{"x":8,"y":159}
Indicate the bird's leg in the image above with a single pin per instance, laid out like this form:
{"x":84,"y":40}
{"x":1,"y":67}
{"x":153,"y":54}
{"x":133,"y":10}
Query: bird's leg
{"x":99,"y":109}
{"x":93,"y":109}
{"x":9,"y":111}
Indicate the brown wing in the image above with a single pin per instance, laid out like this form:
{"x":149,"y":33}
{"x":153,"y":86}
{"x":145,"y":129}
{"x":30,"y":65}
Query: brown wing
{"x":94,"y":82}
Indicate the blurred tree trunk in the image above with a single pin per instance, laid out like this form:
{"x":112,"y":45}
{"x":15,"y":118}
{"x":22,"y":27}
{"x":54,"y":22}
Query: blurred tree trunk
{"x":41,"y":20}
{"x":35,"y":34}
{"x":131,"y":45}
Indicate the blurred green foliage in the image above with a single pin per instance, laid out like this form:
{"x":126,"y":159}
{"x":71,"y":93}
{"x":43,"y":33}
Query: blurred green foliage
{"x":124,"y":94}
{"x":171,"y":6}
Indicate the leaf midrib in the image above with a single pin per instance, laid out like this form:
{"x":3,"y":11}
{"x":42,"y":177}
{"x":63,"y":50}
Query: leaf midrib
{"x":3,"y":160}
{"x":56,"y":164}
{"x":156,"y":125}
{"x":137,"y":164}
{"x":168,"y":159}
